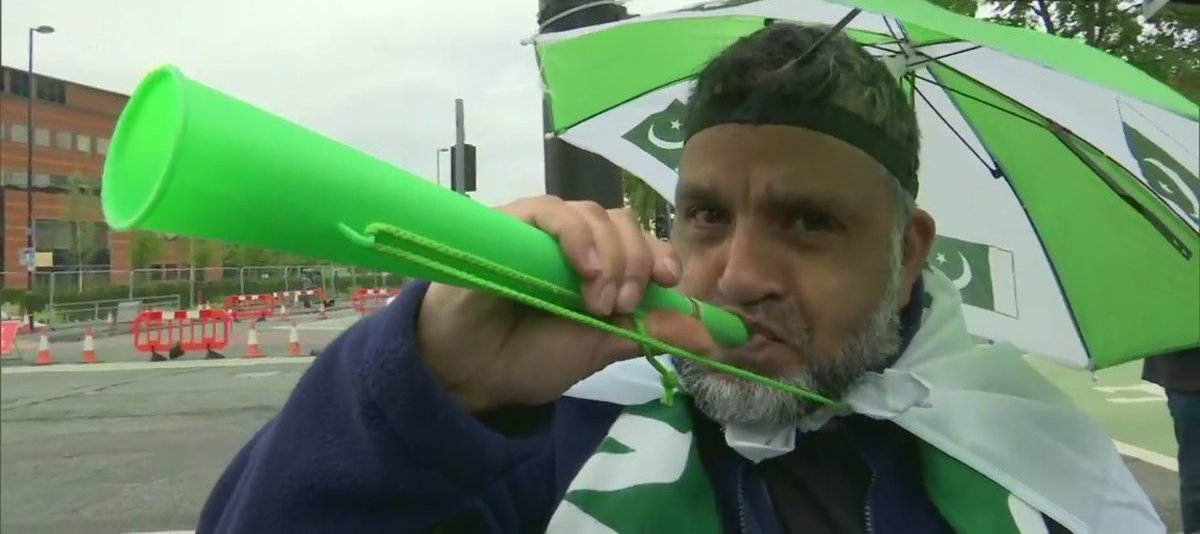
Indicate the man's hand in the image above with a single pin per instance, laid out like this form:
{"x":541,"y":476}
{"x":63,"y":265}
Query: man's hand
{"x":490,"y":352}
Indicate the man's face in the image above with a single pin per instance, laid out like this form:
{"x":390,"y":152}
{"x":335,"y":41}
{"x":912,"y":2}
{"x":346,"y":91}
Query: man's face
{"x":795,"y":231}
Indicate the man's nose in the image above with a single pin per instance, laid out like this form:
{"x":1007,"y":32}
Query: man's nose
{"x":754,"y":271}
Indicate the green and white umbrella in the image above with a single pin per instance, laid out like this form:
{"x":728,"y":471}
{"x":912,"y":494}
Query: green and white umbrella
{"x":1064,"y":181}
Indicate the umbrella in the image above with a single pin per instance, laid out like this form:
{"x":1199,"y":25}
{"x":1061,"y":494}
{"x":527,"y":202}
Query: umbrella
{"x":1064,"y":180}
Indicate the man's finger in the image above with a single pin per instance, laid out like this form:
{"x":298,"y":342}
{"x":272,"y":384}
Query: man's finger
{"x":639,"y":261}
{"x":601,"y":293}
{"x":573,"y":233}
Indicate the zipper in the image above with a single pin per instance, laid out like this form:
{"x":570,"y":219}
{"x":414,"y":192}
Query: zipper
{"x":741,"y":497}
{"x":867,"y":505}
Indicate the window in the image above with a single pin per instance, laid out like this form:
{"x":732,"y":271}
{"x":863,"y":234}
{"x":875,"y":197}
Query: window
{"x":62,"y":140}
{"x":83,"y":143}
{"x":18,"y":82}
{"x":41,"y":136}
{"x":60,"y":182}
{"x":50,"y":235}
{"x":15,"y":178}
{"x":20,"y":133}
{"x":102,"y":145}
{"x":51,"y":90}
{"x":3,"y":128}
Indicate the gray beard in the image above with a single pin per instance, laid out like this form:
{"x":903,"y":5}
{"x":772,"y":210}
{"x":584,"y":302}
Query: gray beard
{"x":731,"y":400}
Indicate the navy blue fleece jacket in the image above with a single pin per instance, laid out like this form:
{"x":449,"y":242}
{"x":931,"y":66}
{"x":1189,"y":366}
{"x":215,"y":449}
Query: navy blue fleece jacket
{"x":369,"y":442}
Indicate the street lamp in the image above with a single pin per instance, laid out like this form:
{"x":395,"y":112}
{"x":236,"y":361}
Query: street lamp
{"x":438,"y":163}
{"x":29,"y":137}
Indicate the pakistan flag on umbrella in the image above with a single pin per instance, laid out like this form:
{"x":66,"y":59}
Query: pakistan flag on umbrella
{"x":1064,"y":181}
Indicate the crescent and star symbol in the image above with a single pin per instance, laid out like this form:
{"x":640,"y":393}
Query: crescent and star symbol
{"x":663,"y":143}
{"x":965,"y":279}
{"x":1178,"y":182}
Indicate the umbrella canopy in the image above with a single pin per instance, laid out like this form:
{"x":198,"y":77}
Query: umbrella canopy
{"x":1063,"y":180}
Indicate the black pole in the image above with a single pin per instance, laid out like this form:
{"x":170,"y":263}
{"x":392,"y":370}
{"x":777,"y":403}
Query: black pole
{"x":573,"y":173}
{"x":29,"y":166}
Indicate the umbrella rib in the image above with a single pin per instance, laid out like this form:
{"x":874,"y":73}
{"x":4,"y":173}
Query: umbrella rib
{"x":936,"y":59}
{"x":975,"y":98}
{"x":1064,"y":135}
{"x":841,"y":24}
{"x":990,"y":167}
{"x":888,"y":22}
{"x":1083,"y":340}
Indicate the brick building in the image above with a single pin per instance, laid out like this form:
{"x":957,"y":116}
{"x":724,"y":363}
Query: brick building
{"x":73,"y":124}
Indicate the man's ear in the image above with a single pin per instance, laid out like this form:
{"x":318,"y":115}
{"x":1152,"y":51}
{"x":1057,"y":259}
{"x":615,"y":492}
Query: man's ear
{"x":918,"y":240}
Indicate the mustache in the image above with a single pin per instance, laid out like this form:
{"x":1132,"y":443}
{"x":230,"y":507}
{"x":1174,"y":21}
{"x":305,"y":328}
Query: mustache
{"x":778,"y":321}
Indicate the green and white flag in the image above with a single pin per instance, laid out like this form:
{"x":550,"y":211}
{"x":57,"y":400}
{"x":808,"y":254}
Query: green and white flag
{"x":660,"y":134}
{"x":983,"y":274}
{"x":1062,"y":177}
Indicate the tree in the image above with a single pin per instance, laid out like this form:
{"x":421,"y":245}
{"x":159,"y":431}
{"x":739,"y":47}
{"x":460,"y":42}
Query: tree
{"x":245,"y":256}
{"x":82,"y":209}
{"x":204,"y":253}
{"x":1167,"y":47}
{"x":145,"y":249}
{"x":640,"y":198}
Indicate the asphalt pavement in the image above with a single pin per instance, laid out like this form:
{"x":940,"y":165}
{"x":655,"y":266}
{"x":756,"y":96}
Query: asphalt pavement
{"x":127,"y":450}
{"x":134,"y":446}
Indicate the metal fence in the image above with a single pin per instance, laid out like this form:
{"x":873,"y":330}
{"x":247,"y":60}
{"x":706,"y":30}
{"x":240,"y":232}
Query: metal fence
{"x":103,"y":312}
{"x":197,"y":285}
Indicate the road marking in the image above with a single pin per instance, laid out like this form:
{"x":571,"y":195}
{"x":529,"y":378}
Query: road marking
{"x":263,"y":374}
{"x":166,"y":532}
{"x":299,"y":327}
{"x":1150,"y":457}
{"x":147,"y":366}
{"x":1144,"y":392}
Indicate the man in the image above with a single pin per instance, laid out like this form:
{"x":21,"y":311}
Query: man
{"x":456,"y":411}
{"x":1179,"y":374}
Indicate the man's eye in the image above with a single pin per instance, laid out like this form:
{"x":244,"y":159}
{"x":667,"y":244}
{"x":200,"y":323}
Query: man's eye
{"x":706,"y":216}
{"x":813,"y":222}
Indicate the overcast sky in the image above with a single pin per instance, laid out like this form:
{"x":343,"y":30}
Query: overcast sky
{"x":381,"y":75}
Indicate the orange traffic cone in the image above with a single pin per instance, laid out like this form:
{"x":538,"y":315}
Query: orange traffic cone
{"x":252,"y":350}
{"x":283,"y":312}
{"x":43,"y":355}
{"x":89,"y":348}
{"x":294,"y":341}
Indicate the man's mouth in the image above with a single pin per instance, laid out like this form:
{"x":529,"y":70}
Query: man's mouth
{"x":761,"y":329}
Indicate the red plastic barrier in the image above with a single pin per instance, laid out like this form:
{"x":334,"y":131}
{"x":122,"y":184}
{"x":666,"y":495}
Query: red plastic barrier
{"x":243,"y":307}
{"x":305,"y":296}
{"x":8,"y":335}
{"x":367,"y":301}
{"x":207,"y":330}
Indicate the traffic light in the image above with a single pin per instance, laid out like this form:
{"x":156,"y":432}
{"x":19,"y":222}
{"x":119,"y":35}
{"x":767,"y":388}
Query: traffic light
{"x":469,"y":165}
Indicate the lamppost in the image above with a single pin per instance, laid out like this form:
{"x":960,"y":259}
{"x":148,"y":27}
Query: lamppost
{"x":29,"y":138}
{"x":438,"y":163}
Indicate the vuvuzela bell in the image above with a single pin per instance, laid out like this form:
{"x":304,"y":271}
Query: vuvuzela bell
{"x":190,"y":160}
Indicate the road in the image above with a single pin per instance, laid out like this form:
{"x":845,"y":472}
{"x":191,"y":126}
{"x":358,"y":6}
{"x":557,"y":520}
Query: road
{"x":134,"y":449}
{"x":135,"y":446}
